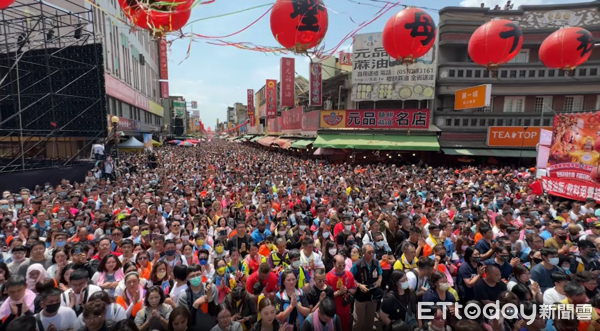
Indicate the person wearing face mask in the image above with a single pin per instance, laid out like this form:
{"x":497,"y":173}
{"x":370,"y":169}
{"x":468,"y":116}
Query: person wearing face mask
{"x":302,"y":275}
{"x":53,"y":316}
{"x":541,"y":273}
{"x":241,"y":306}
{"x":468,"y":273}
{"x":575,"y":298}
{"x":171,"y":257}
{"x":439,"y":291}
{"x":559,"y":241}
{"x":200,"y":300}
{"x":588,"y":257}
{"x":399,"y":301}
{"x":503,"y":261}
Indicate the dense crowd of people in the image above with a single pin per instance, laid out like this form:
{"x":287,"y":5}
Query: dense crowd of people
{"x":230,"y":237}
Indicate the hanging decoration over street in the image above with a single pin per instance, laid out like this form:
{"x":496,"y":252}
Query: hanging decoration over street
{"x":408,"y":35}
{"x":299,"y":25}
{"x":158,"y":17}
{"x":6,"y":3}
{"x":566,"y":48}
{"x":495,"y":43}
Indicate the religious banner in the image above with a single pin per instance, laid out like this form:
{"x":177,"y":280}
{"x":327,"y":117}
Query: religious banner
{"x":287,"y":95}
{"x":250,"y":103}
{"x":572,"y":170}
{"x":316,"y":85}
{"x":291,"y":121}
{"x":271,"y":98}
{"x":402,"y":119}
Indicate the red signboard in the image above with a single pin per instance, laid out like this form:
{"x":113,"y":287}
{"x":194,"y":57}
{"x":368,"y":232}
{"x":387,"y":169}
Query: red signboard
{"x":271,"y":90}
{"x":287,"y":95}
{"x":126,"y":124}
{"x":164,"y":69}
{"x":252,"y":119}
{"x":116,"y":89}
{"x":375,"y":119}
{"x":250,"y":103}
{"x":291,"y":120}
{"x":345,"y":59}
{"x":316,"y":88}
{"x":274,"y":125}
{"x":574,"y":158}
{"x":310,"y":123}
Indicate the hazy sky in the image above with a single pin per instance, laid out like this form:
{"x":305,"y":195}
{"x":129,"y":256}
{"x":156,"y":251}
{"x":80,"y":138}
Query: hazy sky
{"x":218,"y":76}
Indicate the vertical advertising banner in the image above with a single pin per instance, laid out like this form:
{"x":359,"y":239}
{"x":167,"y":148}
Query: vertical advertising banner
{"x":147,"y":142}
{"x":271,"y":98}
{"x":287,"y":95}
{"x":164,"y":69}
{"x":573,"y":162}
{"x":250,"y":106}
{"x":316,"y":87}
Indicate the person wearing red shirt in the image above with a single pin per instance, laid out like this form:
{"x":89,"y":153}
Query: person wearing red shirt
{"x":342,"y":283}
{"x":266,"y":278}
{"x":345,"y":225}
{"x":104,"y":249}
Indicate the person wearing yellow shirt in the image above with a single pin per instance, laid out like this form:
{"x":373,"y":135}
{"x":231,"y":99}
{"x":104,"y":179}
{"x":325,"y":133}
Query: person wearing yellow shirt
{"x":559,"y":241}
{"x":408,"y":260}
{"x":576,"y":296}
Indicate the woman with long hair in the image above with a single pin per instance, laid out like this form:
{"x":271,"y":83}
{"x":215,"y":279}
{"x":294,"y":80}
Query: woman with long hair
{"x":109,"y":274}
{"x":468,"y":273}
{"x":399,"y":300}
{"x":268,"y":322}
{"x":160,"y":277}
{"x":224,"y":322}
{"x":155,"y":314}
{"x":290,"y":301}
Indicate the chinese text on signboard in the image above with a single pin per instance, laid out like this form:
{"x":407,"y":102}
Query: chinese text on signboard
{"x":164,"y":70}
{"x":376,"y":119}
{"x":271,"y":95}
{"x":287,"y":97}
{"x":316,"y":88}
{"x":573,"y":161}
{"x":376,"y":76}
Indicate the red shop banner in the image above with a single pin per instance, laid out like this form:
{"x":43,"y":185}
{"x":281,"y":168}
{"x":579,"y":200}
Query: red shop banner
{"x":574,"y":159}
{"x":252,"y":119}
{"x":310,"y":123}
{"x":164,"y":69}
{"x":316,"y":85}
{"x":571,"y":189}
{"x":250,"y":103}
{"x":271,"y":98}
{"x":374,"y":119}
{"x":287,"y":95}
{"x":291,"y":120}
{"x":274,"y":125}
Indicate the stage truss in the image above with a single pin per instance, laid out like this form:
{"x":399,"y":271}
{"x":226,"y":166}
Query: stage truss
{"x":50,"y":99}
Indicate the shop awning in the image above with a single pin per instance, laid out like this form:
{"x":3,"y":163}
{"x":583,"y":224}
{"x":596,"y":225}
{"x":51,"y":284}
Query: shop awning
{"x":256,"y":138}
{"x":378,"y":142}
{"x":302,"y":143}
{"x":490,"y":152}
{"x":248,"y":136}
{"x":267,"y":141}
{"x":284,"y":143}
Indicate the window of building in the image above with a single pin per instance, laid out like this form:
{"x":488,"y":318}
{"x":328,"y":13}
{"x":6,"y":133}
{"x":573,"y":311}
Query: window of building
{"x":489,"y":109}
{"x":573,"y":103}
{"x":521,"y":57}
{"x":542,"y":104}
{"x":514,"y":104}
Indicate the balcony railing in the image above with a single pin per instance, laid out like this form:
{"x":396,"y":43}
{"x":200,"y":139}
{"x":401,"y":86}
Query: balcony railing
{"x":518,"y":72}
{"x":481,"y":121}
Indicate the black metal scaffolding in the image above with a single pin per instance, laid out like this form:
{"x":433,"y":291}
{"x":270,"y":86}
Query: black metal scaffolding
{"x":52,"y":94}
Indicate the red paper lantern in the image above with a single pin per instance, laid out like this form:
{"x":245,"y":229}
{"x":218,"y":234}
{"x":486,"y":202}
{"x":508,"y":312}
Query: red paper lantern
{"x":408,"y":35}
{"x":299,"y":25}
{"x":161,"y":22}
{"x":494,"y":43}
{"x":566,"y":48}
{"x":5,"y":3}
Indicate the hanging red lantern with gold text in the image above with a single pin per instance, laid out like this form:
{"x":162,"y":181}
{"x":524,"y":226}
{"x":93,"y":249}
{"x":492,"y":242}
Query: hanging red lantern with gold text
{"x":158,"y":19}
{"x":495,"y":43}
{"x":408,"y":35}
{"x":6,"y":3}
{"x":566,"y":48}
{"x":299,"y":25}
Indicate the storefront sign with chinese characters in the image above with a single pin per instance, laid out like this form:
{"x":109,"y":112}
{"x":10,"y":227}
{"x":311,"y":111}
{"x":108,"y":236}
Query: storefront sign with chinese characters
{"x":291,"y":121}
{"x":271,"y":95}
{"x":571,"y":189}
{"x":376,"y":76}
{"x":316,"y":88}
{"x":126,"y":124}
{"x":287,"y":95}
{"x":374,"y":119}
{"x":163,"y":68}
{"x":345,"y":59}
{"x":250,"y":103}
